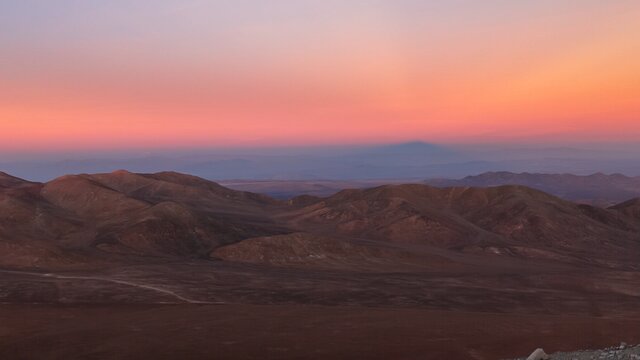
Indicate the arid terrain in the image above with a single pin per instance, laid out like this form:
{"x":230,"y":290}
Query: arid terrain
{"x":287,"y":189}
{"x":166,"y":265}
{"x":599,"y":189}
{"x":595,"y":189}
{"x":623,"y":351}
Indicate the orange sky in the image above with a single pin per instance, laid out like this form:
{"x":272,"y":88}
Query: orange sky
{"x":234,"y":73}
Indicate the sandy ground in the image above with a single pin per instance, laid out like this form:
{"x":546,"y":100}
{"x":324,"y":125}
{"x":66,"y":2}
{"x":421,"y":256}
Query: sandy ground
{"x":291,"y":332}
{"x":474,"y":308}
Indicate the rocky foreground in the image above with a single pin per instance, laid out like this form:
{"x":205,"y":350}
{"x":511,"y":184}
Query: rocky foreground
{"x":622,"y":352}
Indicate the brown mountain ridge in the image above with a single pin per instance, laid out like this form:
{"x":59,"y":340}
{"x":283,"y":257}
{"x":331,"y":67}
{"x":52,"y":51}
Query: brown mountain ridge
{"x":107,"y":216}
{"x":599,"y":189}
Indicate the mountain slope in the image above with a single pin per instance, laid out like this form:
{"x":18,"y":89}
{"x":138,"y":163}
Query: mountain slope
{"x":7,"y":181}
{"x":506,"y":219}
{"x":596,"y":188}
{"x":309,"y":250}
{"x":630,"y":208}
{"x":122,"y":215}
{"x":128,"y":214}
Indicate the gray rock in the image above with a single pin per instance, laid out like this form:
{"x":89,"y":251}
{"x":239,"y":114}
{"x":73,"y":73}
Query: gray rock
{"x":621,"y":352}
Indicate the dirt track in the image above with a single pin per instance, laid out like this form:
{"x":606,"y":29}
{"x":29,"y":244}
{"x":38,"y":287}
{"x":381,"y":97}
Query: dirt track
{"x":178,"y":297}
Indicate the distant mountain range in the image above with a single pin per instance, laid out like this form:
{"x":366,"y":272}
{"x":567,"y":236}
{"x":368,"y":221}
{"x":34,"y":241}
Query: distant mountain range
{"x":597,"y":188}
{"x":287,"y":189}
{"x":408,"y":161}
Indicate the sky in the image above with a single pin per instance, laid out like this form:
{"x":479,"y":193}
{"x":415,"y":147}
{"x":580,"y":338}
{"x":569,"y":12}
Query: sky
{"x":114,"y":74}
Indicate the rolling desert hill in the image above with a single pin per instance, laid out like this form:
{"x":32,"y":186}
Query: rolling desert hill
{"x":180,"y":215}
{"x":287,"y":189}
{"x":7,"y":181}
{"x":513,"y":220}
{"x":122,"y":213}
{"x":630,"y":208}
{"x":597,"y":189}
{"x":176,"y":215}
